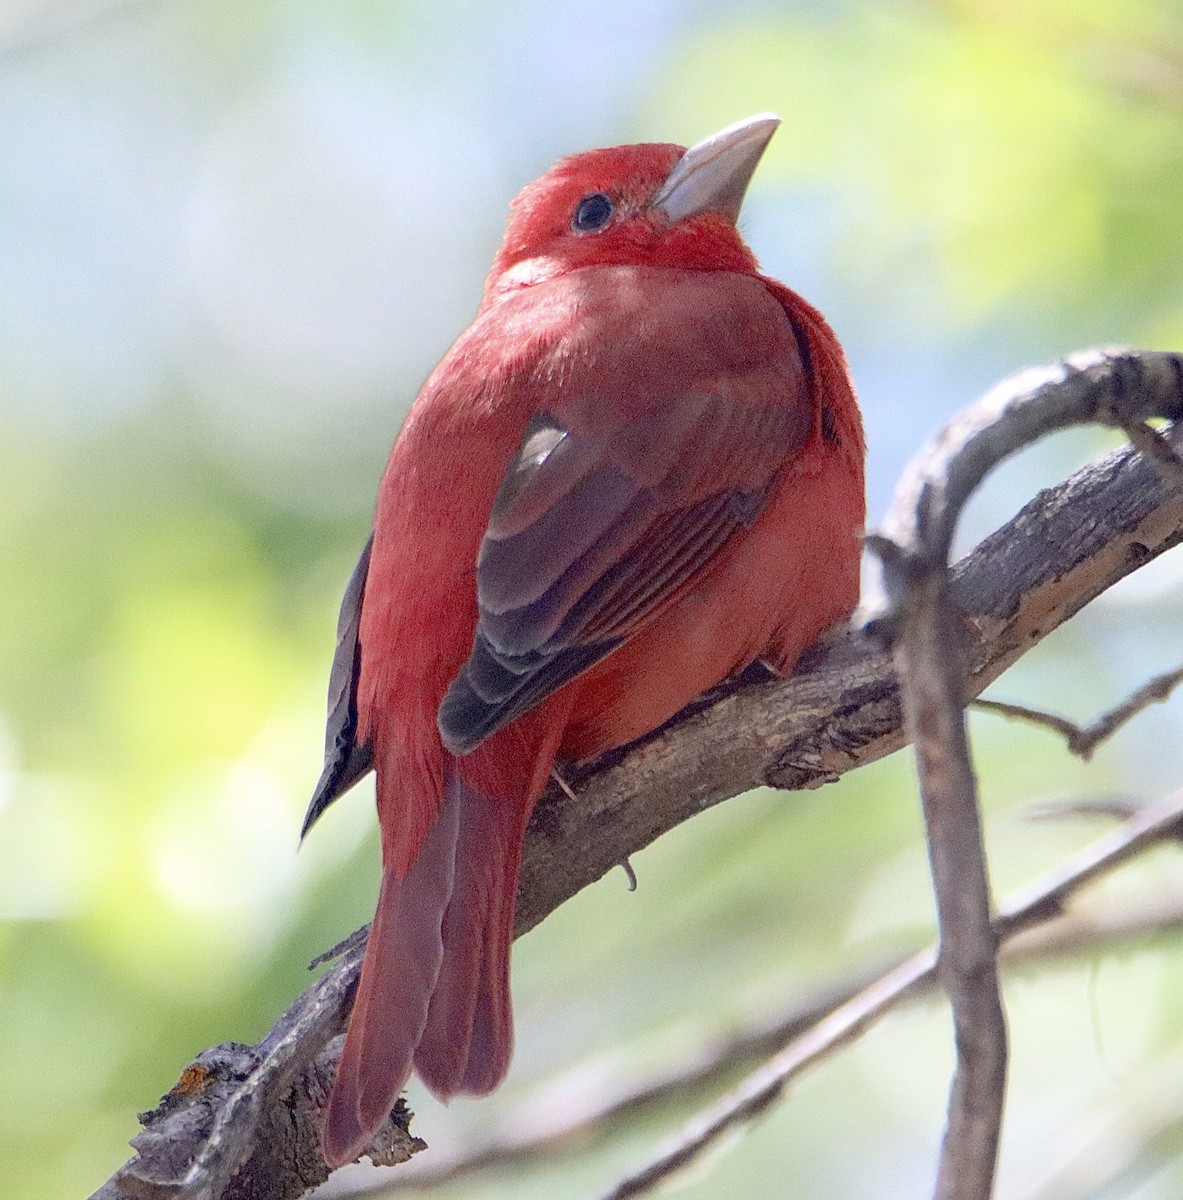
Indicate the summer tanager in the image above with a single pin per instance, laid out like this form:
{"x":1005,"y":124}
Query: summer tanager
{"x":638,"y":470}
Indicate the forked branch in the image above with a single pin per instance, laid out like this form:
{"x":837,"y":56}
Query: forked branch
{"x":1036,"y":904}
{"x":1083,"y":740}
{"x":916,"y":613}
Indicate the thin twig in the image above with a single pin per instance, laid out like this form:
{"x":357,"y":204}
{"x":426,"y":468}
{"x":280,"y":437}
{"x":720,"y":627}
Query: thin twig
{"x":1039,"y":902}
{"x":1114,"y":805}
{"x":1067,"y":729}
{"x":1083,"y":740}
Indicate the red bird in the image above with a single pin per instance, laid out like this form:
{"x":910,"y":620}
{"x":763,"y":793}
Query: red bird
{"x":639,"y":470}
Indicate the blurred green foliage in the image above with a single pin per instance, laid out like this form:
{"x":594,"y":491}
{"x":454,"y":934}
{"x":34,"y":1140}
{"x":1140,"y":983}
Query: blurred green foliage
{"x":235,"y":238}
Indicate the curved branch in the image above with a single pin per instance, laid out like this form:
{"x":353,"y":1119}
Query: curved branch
{"x":841,"y":711}
{"x":1120,"y":388}
{"x":917,"y":612}
{"x":1083,"y":740}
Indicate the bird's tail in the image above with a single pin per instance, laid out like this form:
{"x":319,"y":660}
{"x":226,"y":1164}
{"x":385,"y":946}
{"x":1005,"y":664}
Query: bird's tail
{"x":468,"y":1041}
{"x":434,"y":987}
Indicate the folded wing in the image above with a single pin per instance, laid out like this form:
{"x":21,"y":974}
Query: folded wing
{"x":605,"y":517}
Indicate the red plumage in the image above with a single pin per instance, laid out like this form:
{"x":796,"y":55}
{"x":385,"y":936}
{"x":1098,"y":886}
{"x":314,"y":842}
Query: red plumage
{"x":637,"y":471}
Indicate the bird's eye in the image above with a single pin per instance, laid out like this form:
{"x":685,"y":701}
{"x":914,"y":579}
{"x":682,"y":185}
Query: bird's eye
{"x":592,"y":213}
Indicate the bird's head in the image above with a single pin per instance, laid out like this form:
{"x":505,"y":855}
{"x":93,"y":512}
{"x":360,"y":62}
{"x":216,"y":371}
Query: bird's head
{"x":654,"y":204}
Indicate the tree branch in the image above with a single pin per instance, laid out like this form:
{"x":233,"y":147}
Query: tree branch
{"x":840,"y":712}
{"x":914,"y":611}
{"x":1037,"y":903}
{"x":535,"y":1133}
{"x":1083,"y":740}
{"x":930,"y":664}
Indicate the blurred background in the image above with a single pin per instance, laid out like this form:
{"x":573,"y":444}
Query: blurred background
{"x":234,"y":238}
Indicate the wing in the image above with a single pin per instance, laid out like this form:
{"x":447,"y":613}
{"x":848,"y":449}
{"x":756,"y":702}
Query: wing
{"x":345,"y":761}
{"x":604,"y":518}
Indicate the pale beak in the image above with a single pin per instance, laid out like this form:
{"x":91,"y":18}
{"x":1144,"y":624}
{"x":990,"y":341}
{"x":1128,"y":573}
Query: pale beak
{"x":714,"y":175}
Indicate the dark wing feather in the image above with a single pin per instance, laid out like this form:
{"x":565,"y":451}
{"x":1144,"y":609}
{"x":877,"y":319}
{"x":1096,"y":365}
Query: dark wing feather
{"x":345,"y":760}
{"x":594,"y":532}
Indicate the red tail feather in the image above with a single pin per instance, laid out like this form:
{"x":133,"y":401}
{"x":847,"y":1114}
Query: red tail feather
{"x":468,"y":1041}
{"x":434,"y":989}
{"x":399,"y":974}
